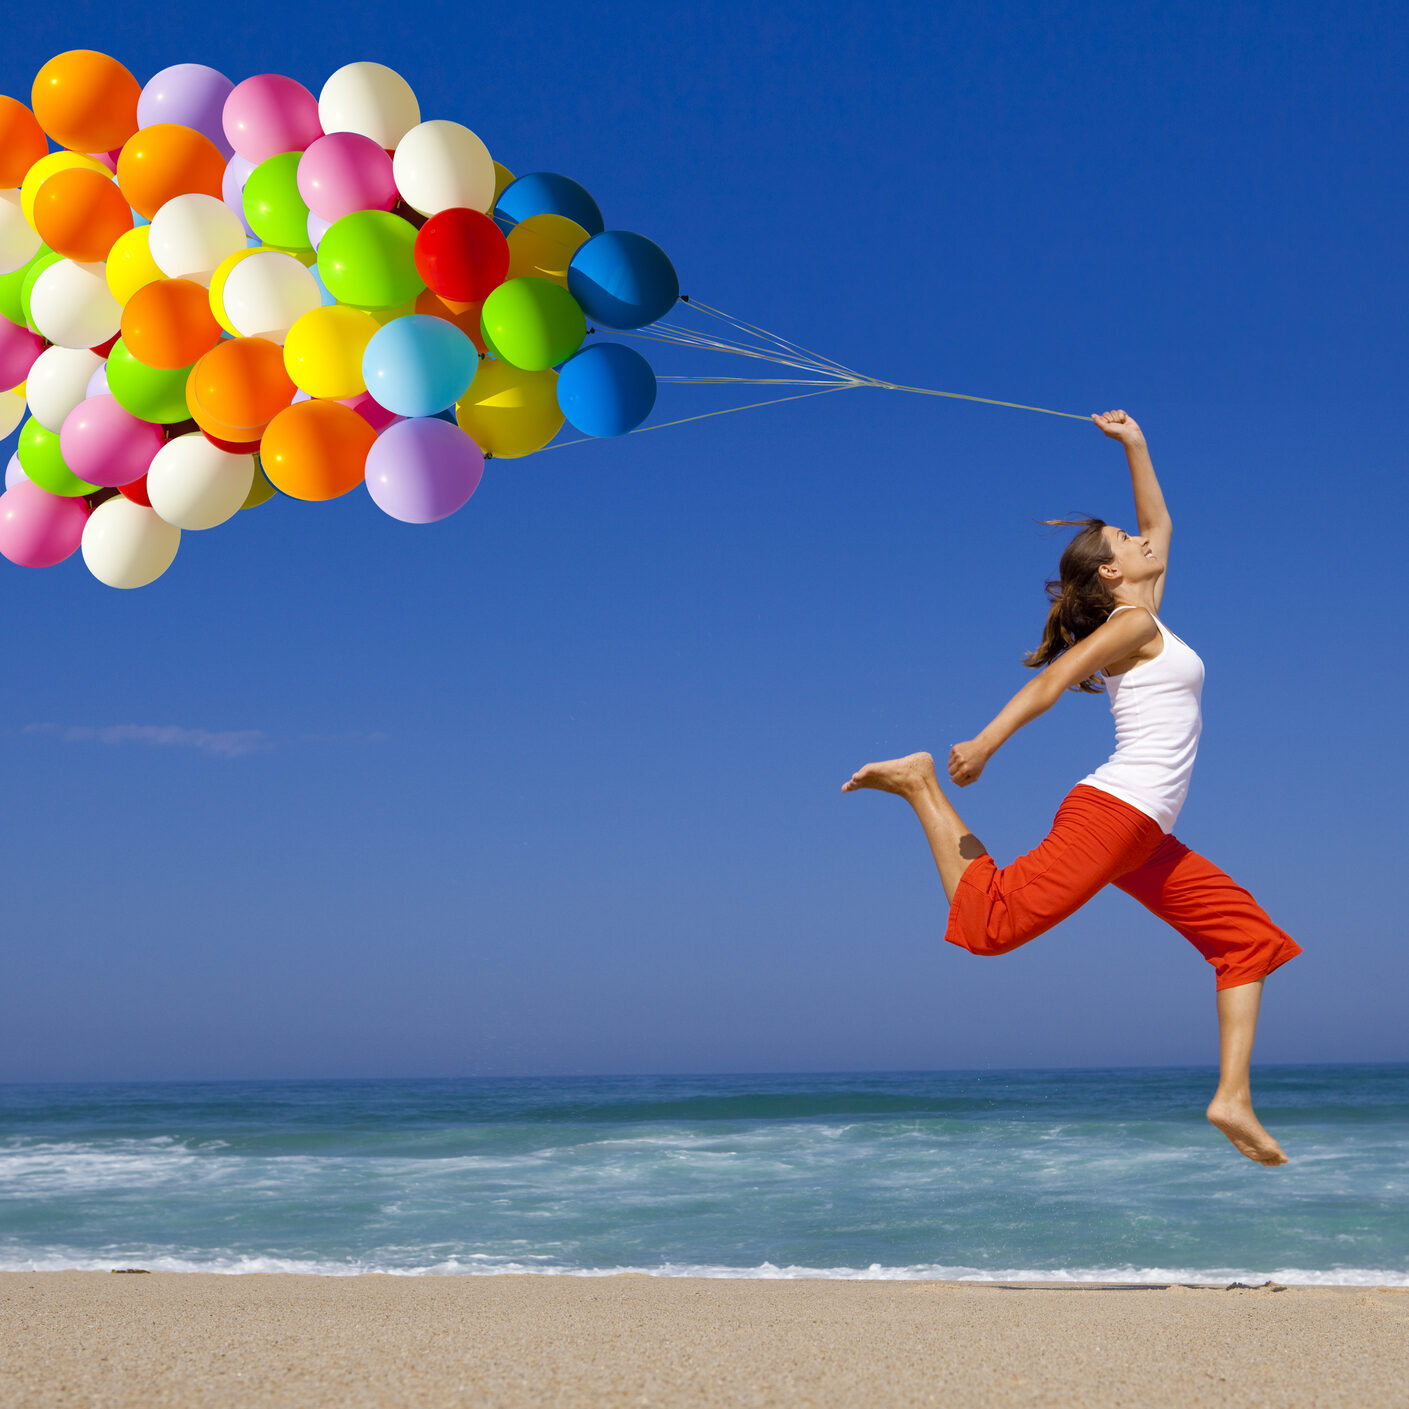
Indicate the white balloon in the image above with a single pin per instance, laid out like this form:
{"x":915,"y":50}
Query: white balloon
{"x":11,"y":411}
{"x":371,"y":99}
{"x":266,"y":292}
{"x":58,"y":381}
{"x":442,"y":164}
{"x":194,"y":484}
{"x":127,"y":544}
{"x":14,"y":472}
{"x":72,"y":306}
{"x":18,"y":241}
{"x":192,"y":234}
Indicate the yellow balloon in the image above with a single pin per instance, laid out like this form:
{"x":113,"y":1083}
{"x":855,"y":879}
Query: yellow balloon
{"x":323,"y":351}
{"x":46,"y":167}
{"x":261,"y":491}
{"x":542,"y":247}
{"x":217,"y":287}
{"x":503,"y":177}
{"x":130,"y":264}
{"x":509,"y":412}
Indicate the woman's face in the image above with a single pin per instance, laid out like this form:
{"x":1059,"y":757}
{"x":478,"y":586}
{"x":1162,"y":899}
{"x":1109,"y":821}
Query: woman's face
{"x":1134,"y":558}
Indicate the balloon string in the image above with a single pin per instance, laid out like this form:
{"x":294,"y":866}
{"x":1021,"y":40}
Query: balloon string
{"x":705,"y":415}
{"x":829,"y":375}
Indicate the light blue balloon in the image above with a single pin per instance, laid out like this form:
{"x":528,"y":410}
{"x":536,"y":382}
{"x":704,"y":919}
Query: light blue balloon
{"x":623,"y":280}
{"x":418,"y":365}
{"x":606,"y":389}
{"x":547,"y":193}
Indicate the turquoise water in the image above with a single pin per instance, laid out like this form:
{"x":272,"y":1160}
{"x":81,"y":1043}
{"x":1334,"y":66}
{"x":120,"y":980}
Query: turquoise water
{"x":1107,"y":1175}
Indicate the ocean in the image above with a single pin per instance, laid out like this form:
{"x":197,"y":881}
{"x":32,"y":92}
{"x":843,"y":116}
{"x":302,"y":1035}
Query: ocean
{"x":1108,"y":1175}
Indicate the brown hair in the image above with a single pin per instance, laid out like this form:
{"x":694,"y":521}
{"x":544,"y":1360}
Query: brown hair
{"x":1080,"y":599}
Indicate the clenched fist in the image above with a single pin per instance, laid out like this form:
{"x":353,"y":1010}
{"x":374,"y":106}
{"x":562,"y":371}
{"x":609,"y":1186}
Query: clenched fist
{"x":966,"y":762}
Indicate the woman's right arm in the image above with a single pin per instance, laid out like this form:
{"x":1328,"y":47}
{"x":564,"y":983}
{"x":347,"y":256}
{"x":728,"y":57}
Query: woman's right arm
{"x":1119,"y":637}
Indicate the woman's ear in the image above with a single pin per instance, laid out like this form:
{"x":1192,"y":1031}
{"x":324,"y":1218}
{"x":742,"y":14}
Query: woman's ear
{"x":1109,"y":572}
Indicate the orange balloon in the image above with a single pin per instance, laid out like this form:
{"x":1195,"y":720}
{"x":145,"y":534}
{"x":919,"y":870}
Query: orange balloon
{"x":86,"y":101}
{"x":22,"y":141}
{"x":465,"y":316}
{"x":316,"y":450}
{"x":80,"y":213}
{"x":240,"y":385}
{"x":168,"y":323}
{"x":236,"y":440}
{"x":165,"y":160}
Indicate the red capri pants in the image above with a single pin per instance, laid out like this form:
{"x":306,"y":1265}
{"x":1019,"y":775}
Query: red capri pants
{"x":1098,"y":840}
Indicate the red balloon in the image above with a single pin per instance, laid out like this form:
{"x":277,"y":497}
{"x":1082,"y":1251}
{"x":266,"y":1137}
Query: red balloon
{"x":136,"y":492}
{"x":462,"y":255}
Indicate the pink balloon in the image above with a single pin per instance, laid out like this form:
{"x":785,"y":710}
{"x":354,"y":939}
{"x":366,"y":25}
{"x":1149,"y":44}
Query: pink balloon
{"x":105,"y":445}
{"x":372,"y":411}
{"x":366,"y":405}
{"x":344,"y":172}
{"x":19,"y":349}
{"x":39,"y":529}
{"x":269,"y":114}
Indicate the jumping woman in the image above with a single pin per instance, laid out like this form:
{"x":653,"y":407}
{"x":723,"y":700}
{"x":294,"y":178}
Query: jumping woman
{"x":1115,"y":827}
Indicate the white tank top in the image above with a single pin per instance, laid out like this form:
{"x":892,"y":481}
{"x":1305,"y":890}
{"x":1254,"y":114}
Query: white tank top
{"x":1157,"y":727}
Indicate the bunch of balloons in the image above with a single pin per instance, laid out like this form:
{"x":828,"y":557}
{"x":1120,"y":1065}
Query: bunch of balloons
{"x":212,"y":290}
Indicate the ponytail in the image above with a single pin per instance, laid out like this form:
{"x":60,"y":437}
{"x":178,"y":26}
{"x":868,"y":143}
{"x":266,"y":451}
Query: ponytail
{"x":1080,"y":599}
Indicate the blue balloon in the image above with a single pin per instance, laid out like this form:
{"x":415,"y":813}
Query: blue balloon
{"x":417,"y":365}
{"x":606,"y":389}
{"x":547,"y":193}
{"x":623,"y":280}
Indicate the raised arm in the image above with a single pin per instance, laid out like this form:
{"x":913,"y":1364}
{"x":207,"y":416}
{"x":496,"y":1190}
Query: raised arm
{"x":1119,"y":637}
{"x":1150,"y":510}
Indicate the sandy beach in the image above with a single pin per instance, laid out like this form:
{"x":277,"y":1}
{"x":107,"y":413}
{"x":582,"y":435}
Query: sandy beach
{"x":97,"y":1339}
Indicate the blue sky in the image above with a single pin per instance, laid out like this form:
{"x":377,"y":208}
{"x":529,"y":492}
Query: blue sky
{"x":552,"y":786}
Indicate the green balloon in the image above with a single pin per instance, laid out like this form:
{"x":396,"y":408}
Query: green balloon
{"x":275,"y":210}
{"x":368,"y":260}
{"x":41,"y":460}
{"x":149,"y":393}
{"x":532,"y":323}
{"x":15,"y":287}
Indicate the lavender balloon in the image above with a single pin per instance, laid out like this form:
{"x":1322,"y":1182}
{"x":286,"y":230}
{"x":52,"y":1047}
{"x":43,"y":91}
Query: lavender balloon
{"x":14,"y":472}
{"x":190,"y":95}
{"x":423,"y":469}
{"x":98,"y":382}
{"x":232,"y":188}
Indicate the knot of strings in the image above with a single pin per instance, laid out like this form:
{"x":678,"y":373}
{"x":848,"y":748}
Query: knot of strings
{"x":823,"y":375}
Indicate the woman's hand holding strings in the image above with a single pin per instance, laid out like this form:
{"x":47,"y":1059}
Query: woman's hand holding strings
{"x":1118,"y":426}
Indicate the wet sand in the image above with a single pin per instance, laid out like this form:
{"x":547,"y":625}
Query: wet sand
{"x":79,"y":1339}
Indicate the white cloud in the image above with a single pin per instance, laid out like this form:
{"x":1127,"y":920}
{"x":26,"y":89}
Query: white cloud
{"x":220,"y":743}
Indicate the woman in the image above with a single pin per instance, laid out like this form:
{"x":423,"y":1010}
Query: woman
{"x":1115,"y":826}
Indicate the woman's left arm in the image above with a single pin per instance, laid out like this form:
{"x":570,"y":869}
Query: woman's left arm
{"x":1150,"y":510}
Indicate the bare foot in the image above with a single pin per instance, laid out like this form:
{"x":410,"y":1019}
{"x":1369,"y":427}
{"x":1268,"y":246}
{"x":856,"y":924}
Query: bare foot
{"x":906,"y":776}
{"x":1235,"y":1118}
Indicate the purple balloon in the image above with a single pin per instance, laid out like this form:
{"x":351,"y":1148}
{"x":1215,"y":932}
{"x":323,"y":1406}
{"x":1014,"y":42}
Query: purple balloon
{"x":423,"y":469}
{"x":98,"y":384}
{"x":105,"y":445}
{"x":19,"y":350}
{"x":14,"y":472}
{"x":232,"y":188}
{"x":190,"y":95}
